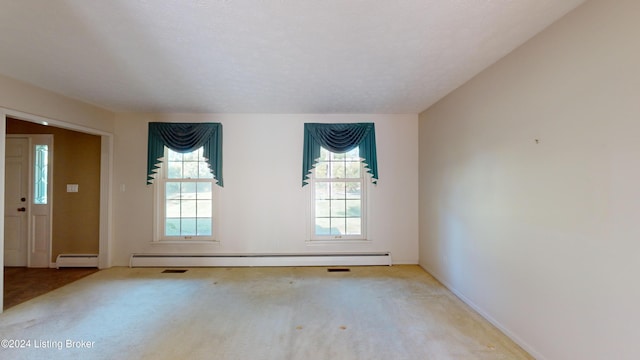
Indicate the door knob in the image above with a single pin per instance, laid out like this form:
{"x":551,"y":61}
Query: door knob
{"x":23,"y":199}
{"x":22,"y":209}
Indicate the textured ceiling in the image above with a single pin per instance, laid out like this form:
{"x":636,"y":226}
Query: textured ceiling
{"x":263,"y":56}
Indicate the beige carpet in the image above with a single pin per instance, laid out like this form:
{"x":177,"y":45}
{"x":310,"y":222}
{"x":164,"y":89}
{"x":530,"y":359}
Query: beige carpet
{"x":397,"y":312}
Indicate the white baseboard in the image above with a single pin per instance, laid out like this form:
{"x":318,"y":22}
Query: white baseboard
{"x":241,"y":260}
{"x":77,"y":260}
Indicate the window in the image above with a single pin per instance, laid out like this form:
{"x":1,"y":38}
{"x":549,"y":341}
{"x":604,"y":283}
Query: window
{"x":185,"y":193}
{"x":40,"y":174}
{"x":338,"y":189}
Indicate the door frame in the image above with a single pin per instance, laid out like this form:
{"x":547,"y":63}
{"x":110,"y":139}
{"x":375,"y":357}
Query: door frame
{"x":106,"y":180}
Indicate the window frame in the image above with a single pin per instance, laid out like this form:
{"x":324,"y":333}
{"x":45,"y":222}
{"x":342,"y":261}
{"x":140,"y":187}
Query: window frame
{"x":161,"y":179}
{"x":332,"y":239}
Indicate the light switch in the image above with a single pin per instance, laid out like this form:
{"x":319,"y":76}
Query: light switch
{"x":72,"y":187}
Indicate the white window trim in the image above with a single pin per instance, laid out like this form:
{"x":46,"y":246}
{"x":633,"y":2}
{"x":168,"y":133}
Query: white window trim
{"x":159,"y":213}
{"x":334,"y":239}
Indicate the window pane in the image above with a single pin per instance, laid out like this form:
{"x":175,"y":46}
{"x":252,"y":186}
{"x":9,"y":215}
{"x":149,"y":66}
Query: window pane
{"x":353,"y":208}
{"x":192,"y":156}
{"x":337,"y":208}
{"x":204,"y":208}
{"x":190,"y":170}
{"x":172,"y":227}
{"x":322,"y":208}
{"x":338,"y":190}
{"x":173,"y":155}
{"x":188,"y":227}
{"x":322,"y":190}
{"x":324,"y":154}
{"x":175,"y":170}
{"x":188,"y":208}
{"x":188,"y":190}
{"x":204,"y":190}
{"x":353,"y":154}
{"x":323,"y":226}
{"x":203,"y":227}
{"x":352,"y":169}
{"x":336,"y":156}
{"x":337,"y":170}
{"x":203,"y":171}
{"x":172,"y":208}
{"x":338,"y":226}
{"x":172,"y":190}
{"x":322,"y":170}
{"x":190,"y":165}
{"x":40,"y":174}
{"x":353,"y":226}
{"x":353,"y":190}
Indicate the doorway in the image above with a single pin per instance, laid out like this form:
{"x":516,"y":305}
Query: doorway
{"x":104,"y":200}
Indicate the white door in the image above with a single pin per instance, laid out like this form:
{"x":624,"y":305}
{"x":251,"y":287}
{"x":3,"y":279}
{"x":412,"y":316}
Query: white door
{"x":28,"y":200}
{"x":16,"y":203}
{"x":40,"y":201}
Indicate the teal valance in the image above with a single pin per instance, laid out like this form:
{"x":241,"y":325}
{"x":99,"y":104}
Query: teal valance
{"x":339,"y":138}
{"x":183,"y":138}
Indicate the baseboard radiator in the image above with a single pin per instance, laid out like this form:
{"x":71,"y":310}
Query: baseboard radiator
{"x":238,"y":260}
{"x":77,"y":260}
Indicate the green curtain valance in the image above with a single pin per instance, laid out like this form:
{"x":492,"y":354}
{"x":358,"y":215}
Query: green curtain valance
{"x":339,"y":138}
{"x":183,"y":138}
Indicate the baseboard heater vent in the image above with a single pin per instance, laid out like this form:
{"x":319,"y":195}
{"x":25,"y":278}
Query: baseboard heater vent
{"x":77,"y":260}
{"x":174,"y":271}
{"x":234,"y":260}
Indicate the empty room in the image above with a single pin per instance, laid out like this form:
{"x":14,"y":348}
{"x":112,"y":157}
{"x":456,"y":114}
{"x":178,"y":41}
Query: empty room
{"x":420,"y":179}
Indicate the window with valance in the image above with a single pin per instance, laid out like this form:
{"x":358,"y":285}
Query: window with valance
{"x":336,"y":158}
{"x":184,"y":138}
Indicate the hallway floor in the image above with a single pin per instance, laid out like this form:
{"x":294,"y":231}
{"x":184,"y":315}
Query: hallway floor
{"x":397,"y":312}
{"x":22,"y":284}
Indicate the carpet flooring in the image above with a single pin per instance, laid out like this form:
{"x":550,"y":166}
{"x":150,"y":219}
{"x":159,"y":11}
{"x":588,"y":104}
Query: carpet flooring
{"x":308,"y":313}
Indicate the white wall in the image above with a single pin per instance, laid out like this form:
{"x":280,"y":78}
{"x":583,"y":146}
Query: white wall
{"x":262,"y":207}
{"x":544,"y":238}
